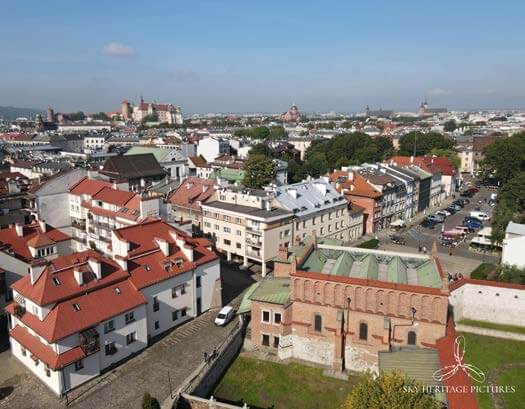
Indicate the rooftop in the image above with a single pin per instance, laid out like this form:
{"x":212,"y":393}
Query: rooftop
{"x":515,"y":228}
{"x":252,"y":212}
{"x":270,"y":290}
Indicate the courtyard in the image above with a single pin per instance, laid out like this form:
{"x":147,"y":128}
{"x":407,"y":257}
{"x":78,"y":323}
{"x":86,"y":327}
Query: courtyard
{"x":264,"y":384}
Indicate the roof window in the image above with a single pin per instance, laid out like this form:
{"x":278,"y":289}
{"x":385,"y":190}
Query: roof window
{"x":76,"y":307}
{"x":56,"y":281}
{"x":117,"y":290}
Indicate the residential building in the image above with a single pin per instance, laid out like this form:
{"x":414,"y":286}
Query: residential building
{"x":212,"y":147}
{"x":172,"y":160}
{"x":466,"y":156}
{"x":513,"y":245}
{"x":15,"y":199}
{"x":187,"y":199}
{"x":139,"y":171}
{"x":340,"y":307}
{"x":479,"y":143}
{"x":199,"y":167}
{"x":81,"y":314}
{"x":318,"y":208}
{"x":246,"y":223}
{"x":24,"y":245}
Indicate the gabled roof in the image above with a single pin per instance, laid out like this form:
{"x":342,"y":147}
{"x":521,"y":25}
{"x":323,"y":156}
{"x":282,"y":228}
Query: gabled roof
{"x":45,"y":290}
{"x":87,"y":186}
{"x":113,"y":196}
{"x":353,"y":185}
{"x":132,"y":166}
{"x":198,"y":161}
{"x":33,"y":236}
{"x":193,"y":191}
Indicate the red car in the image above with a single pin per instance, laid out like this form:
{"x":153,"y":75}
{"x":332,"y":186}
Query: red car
{"x":473,"y":190}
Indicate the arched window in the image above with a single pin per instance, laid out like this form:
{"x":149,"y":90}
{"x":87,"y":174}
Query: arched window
{"x":363,"y":331}
{"x":318,"y":323}
{"x":411,"y":338}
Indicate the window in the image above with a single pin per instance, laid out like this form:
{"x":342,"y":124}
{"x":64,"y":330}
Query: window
{"x":322,"y":231}
{"x":48,"y":371}
{"x":24,"y":352}
{"x":207,"y":224}
{"x":363,"y":331}
{"x":276,"y":342}
{"x":157,"y":325}
{"x":238,"y":245}
{"x":227,"y":242}
{"x":199,"y":284}
{"x":226,"y":219}
{"x":239,"y":233}
{"x":56,"y":281}
{"x":266,"y":316}
{"x":227,"y":229}
{"x":266,"y":340}
{"x":216,"y":227}
{"x":130,"y":317}
{"x":182,"y":289}
{"x":109,"y":326}
{"x":336,"y":225}
{"x":174,"y":292}
{"x":329,"y":227}
{"x":37,"y":362}
{"x":411,"y":338}
{"x":156,"y":305}
{"x":174,"y":315}
{"x":79,"y":365}
{"x":76,"y":307}
{"x":183,"y":312}
{"x":313,"y":221}
{"x":110,"y":349}
{"x":131,"y":338}
{"x":318,"y":323}
{"x":277,"y":318}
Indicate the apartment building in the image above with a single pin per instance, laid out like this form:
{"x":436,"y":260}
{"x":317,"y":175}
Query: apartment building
{"x":97,"y":208}
{"x":75,"y":316}
{"x":187,"y":199}
{"x":24,"y":245}
{"x":317,"y":207}
{"x":247,"y":224}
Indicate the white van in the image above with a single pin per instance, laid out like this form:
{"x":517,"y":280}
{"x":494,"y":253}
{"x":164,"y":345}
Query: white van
{"x":481,"y":216}
{"x":224,"y":316}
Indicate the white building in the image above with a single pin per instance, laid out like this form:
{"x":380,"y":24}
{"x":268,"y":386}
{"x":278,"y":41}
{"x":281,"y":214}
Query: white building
{"x":212,"y":147}
{"x":79,"y":314}
{"x":514,"y":245}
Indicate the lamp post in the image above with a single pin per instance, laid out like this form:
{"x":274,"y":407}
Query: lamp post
{"x":345,"y":330}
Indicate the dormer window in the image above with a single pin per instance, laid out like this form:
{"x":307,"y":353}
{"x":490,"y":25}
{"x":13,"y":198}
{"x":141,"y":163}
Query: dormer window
{"x":56,"y":281}
{"x":76,"y":307}
{"x":117,"y":290}
{"x":147,"y":267}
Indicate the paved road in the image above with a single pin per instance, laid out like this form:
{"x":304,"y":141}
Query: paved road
{"x":178,"y":354}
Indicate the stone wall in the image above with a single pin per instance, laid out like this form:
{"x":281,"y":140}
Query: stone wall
{"x":490,"y":332}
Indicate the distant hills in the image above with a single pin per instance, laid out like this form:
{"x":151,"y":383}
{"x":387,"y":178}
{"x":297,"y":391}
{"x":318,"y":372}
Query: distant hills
{"x":10,"y":113}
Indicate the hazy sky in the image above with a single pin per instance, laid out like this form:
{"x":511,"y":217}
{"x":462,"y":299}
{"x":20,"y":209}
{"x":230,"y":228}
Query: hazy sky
{"x":240,"y":56}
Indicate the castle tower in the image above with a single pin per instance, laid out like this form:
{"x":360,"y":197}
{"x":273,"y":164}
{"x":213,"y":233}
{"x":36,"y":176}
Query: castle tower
{"x":126,"y":110}
{"x":50,"y":115}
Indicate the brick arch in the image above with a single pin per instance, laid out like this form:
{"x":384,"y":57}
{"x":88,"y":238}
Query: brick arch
{"x":426,"y":308}
{"x":392,"y":303}
{"x":328,"y":294}
{"x":415,"y":301}
{"x":308,"y":290}
{"x":404,"y":305}
{"x":370,"y":299}
{"x":360,"y":298}
{"x":318,"y":292}
{"x":381,"y":302}
{"x":298,"y":288}
{"x":349,"y":293}
{"x":436,"y":310}
{"x":339,"y":295}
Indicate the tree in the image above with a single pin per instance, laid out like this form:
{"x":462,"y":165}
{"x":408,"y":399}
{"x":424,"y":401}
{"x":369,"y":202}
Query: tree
{"x":101,"y":116}
{"x":261,"y":132}
{"x":450,"y":126}
{"x":258,"y":171}
{"x":424,"y":143}
{"x":149,"y":402}
{"x":505,"y":157}
{"x":150,"y":118}
{"x":389,"y":391}
{"x":451,"y":154}
{"x":277,"y":133}
{"x":261,"y":149}
{"x":75,"y":116}
{"x":510,"y":206}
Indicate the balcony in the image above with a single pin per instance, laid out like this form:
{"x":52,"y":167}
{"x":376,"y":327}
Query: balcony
{"x":254,"y":230}
{"x":79,"y":224}
{"x":254,"y":242}
{"x":253,"y":254}
{"x":89,"y":341}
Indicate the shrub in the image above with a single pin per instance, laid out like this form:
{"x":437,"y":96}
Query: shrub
{"x":369,"y":244}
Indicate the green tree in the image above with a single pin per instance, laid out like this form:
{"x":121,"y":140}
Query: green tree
{"x":389,"y":391}
{"x":149,"y":402}
{"x":259,"y":171}
{"x":150,"y":118}
{"x":510,"y":206}
{"x":261,"y":132}
{"x":505,"y":157}
{"x":424,"y":143}
{"x":101,"y":116}
{"x":261,"y":149}
{"x":451,"y":154}
{"x":75,"y":116}
{"x":277,"y":133}
{"x":450,"y":126}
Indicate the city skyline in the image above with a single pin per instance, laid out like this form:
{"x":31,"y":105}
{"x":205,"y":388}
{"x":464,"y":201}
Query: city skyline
{"x":236,"y":57}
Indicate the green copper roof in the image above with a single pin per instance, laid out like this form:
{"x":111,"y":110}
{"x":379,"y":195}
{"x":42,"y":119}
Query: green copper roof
{"x":232,"y":175}
{"x":397,"y":271}
{"x":343,"y":265}
{"x":270,"y":290}
{"x":426,"y":275}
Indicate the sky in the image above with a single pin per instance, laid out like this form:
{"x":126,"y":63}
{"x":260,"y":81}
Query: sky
{"x":262,"y":56}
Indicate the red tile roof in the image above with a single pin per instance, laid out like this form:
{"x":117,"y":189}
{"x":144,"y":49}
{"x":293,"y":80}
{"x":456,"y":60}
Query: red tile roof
{"x":32,"y":236}
{"x":147,"y":265}
{"x":458,"y":386}
{"x":86,"y":186}
{"x":44,"y":352}
{"x":94,"y":307}
{"x":44,"y":291}
{"x":418,"y":161}
{"x":358,"y":186}
{"x":199,"y":161}
{"x":443,"y":163}
{"x":193,"y":191}
{"x":113,"y":196}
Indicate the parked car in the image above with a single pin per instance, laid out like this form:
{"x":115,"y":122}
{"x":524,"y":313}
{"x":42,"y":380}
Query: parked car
{"x":224,"y":316}
{"x":451,"y":209}
{"x":397,"y":239}
{"x":482,"y":216}
{"x":466,"y":193}
{"x":473,"y":224}
{"x":473,"y":190}
{"x":457,"y":207}
{"x":464,"y":229}
{"x":436,"y":218}
{"x":459,"y":203}
{"x":443,"y":213}
{"x":478,"y":183}
{"x":429,"y":224}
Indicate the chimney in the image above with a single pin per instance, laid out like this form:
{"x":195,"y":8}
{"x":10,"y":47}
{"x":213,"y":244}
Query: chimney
{"x":186,"y":249}
{"x":19,"y":229}
{"x":36,"y":269}
{"x":411,"y":160}
{"x":123,"y":264}
{"x":115,"y":186}
{"x":96,"y":267}
{"x":43,"y":226}
{"x":164,"y":246}
{"x":351,"y":175}
{"x":79,"y":276}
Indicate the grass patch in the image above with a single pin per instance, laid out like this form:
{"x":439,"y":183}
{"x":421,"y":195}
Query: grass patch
{"x":516,"y":377}
{"x":273,"y":385}
{"x":369,"y":244}
{"x":482,"y":271}
{"x":488,"y":353}
{"x":490,"y":325}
